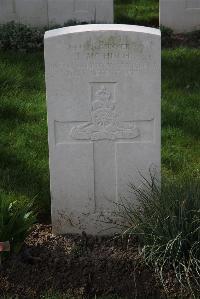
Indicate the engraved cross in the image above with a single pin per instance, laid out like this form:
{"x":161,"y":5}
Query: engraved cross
{"x":105,"y":131}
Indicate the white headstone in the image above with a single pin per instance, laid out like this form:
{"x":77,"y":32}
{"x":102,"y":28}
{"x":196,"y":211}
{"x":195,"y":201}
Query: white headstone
{"x":41,"y":13}
{"x":89,"y":11}
{"x":32,"y":12}
{"x":180,"y":15}
{"x":103,"y":99}
{"x":7,"y":11}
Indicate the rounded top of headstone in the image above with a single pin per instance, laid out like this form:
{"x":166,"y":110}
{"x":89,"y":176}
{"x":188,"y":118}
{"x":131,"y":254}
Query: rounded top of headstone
{"x":100,"y":28}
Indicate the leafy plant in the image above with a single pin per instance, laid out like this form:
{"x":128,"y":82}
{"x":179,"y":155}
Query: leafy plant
{"x":20,"y":37}
{"x":166,"y":221}
{"x":25,"y":38}
{"x":15,"y":221}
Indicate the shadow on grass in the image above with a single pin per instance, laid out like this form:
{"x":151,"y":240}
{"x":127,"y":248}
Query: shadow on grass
{"x":22,"y":71}
{"x":180,"y":90}
{"x":17,"y":116}
{"x":23,"y":141}
{"x":19,"y":176}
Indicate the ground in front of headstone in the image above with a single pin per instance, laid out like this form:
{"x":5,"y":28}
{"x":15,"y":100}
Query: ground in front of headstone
{"x":175,"y":40}
{"x":78,"y":266}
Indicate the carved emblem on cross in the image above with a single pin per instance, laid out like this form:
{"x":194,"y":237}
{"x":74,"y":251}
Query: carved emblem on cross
{"x":104,"y":123}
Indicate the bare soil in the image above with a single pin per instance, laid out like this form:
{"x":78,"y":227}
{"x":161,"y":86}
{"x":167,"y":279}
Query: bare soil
{"x":79,"y":266}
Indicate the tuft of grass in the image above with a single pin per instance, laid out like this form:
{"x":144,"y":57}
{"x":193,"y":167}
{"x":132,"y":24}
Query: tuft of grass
{"x":166,"y":221}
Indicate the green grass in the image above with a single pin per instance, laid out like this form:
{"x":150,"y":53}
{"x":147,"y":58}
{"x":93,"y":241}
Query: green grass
{"x":23,"y":139}
{"x":181,"y":112}
{"x":140,"y":12}
{"x":166,"y":222}
{"x":167,"y":225}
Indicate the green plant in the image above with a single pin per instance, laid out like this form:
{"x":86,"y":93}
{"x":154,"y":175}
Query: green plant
{"x":167,"y":37}
{"x":16,"y":218}
{"x":25,"y":38}
{"x":166,"y":221}
{"x":20,"y":37}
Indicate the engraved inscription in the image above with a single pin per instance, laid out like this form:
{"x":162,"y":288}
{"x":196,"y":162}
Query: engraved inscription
{"x":107,"y":56}
{"x":104,"y":123}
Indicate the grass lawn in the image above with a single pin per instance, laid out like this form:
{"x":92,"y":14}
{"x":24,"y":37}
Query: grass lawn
{"x":23,"y":140}
{"x":181,"y":112}
{"x":24,"y":171}
{"x":141,"y":12}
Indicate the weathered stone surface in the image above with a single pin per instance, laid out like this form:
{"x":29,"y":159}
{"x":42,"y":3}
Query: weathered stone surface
{"x":32,"y":12}
{"x":50,"y":12}
{"x":7,"y":11}
{"x":103,"y":99}
{"x":90,"y":11}
{"x":180,"y":15}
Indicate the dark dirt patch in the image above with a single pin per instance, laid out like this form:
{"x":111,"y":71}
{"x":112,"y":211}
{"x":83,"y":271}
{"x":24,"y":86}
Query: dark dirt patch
{"x":172,"y":40}
{"x":79,"y":266}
